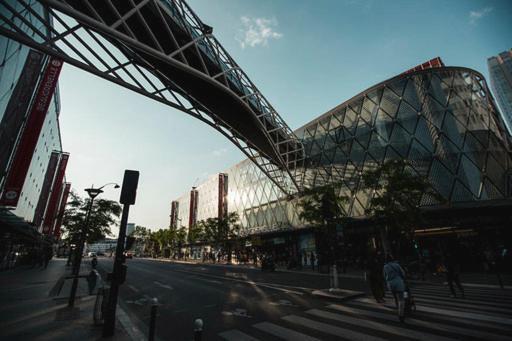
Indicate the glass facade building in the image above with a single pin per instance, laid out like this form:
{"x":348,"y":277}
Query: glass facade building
{"x":443,"y":120}
{"x":21,"y":70}
{"x":500,"y":71}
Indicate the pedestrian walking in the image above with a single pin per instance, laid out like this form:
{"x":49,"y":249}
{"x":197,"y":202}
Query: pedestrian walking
{"x":94,"y":262}
{"x":453,"y":274}
{"x":376,"y":278}
{"x":395,"y":278}
{"x":91,"y":280}
{"x":312,"y":260}
{"x":47,"y":255}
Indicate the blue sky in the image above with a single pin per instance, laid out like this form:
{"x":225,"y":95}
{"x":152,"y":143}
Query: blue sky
{"x":305,"y":57}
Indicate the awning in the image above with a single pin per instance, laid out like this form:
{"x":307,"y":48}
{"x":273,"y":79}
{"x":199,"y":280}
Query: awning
{"x":17,"y":227}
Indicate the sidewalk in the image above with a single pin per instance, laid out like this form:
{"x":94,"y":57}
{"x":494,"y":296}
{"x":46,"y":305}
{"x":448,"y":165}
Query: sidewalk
{"x":33,"y":306}
{"x":482,"y":280}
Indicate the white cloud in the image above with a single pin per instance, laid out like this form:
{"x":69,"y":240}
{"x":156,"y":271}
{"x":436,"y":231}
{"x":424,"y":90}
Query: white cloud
{"x":474,"y":16}
{"x":219,"y":152}
{"x":257,"y":31}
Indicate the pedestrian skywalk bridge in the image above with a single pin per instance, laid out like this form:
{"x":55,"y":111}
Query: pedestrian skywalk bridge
{"x":485,"y":314}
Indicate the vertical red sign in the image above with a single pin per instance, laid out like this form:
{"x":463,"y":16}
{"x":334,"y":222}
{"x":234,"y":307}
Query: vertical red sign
{"x":174,"y":214}
{"x":28,"y":141}
{"x":45,"y":189}
{"x":62,"y":207}
{"x":192,"y":216}
{"x":222,"y":199}
{"x":51,"y":209}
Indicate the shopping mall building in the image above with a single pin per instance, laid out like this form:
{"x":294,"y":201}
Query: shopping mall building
{"x":33,"y":189}
{"x":443,"y":120}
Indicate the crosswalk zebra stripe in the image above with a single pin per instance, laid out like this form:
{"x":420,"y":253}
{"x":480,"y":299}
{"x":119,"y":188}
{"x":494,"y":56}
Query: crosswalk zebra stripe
{"x":377,"y":326}
{"x":236,"y":335}
{"x":446,"y":291}
{"x":330,"y":329}
{"x":474,"y":316}
{"x":447,"y":312}
{"x":420,"y":323}
{"x":442,"y":299}
{"x":463,"y":305}
{"x":284,"y":333}
{"x":459,"y":320}
{"x":488,"y":289}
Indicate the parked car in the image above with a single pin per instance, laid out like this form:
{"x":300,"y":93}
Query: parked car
{"x":128,"y":254}
{"x":91,"y":254}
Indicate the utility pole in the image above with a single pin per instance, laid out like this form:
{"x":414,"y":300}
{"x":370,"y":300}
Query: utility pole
{"x":118,"y":276}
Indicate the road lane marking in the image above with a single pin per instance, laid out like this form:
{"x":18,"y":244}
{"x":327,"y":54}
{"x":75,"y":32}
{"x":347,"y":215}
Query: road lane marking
{"x":419,"y":323}
{"x":417,"y":335}
{"x":284,"y":333}
{"x":269,"y":285}
{"x":283,"y":302}
{"x":330,"y":329}
{"x":236,"y":335}
{"x":464,"y":305}
{"x":163,"y":285}
{"x":133,"y":288}
{"x":390,"y":308}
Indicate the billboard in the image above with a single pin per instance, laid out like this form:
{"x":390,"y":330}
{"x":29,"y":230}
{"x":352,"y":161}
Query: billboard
{"x":28,"y":141}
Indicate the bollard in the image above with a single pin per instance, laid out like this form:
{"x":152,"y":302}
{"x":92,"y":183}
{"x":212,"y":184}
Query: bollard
{"x":152,"y":321}
{"x":335,"y":276}
{"x":198,"y":329}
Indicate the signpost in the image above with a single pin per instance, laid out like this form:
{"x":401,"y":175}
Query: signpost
{"x":118,"y":276}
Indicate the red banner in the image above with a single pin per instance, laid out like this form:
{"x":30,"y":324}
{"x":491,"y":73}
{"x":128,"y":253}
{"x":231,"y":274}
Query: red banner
{"x":45,"y":189}
{"x":62,"y":207}
{"x":174,"y":214}
{"x":223,"y":192}
{"x":192,"y":217}
{"x":51,"y":209}
{"x":28,"y":141}
{"x":17,"y":107}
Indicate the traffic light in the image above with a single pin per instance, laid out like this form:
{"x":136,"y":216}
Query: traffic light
{"x":129,"y":189}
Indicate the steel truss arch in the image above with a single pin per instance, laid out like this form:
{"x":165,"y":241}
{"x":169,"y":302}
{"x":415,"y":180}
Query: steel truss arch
{"x":172,"y":58}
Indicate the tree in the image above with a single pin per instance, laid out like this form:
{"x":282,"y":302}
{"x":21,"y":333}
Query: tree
{"x":196,"y":233}
{"x":323,"y":207}
{"x":396,"y":203}
{"x":142,"y":236}
{"x":222,"y":233}
{"x":103,"y":216}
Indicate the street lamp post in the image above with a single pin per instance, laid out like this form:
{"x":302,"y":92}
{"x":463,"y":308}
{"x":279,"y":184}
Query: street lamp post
{"x":93,"y":193}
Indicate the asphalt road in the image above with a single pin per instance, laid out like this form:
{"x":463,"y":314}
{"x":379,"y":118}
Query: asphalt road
{"x":247,"y":304}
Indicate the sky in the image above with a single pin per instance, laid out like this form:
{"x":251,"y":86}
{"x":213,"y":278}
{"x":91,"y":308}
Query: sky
{"x":305,"y":57}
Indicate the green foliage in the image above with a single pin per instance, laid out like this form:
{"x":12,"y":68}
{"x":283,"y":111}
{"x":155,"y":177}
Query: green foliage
{"x":141,"y":233}
{"x":323,"y":206}
{"x":398,"y":192}
{"x":103,"y":216}
{"x":196,"y":233}
{"x":220,"y":231}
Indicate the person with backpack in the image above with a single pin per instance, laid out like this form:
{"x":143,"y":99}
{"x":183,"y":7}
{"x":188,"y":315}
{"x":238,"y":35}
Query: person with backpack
{"x":395,"y":279}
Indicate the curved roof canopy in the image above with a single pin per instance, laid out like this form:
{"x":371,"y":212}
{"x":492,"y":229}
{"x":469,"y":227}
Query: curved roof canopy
{"x":161,"y":49}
